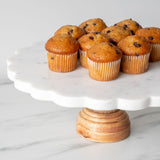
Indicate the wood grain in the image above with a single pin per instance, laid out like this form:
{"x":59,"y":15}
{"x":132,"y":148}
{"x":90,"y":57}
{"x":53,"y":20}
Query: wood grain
{"x":103,"y":126}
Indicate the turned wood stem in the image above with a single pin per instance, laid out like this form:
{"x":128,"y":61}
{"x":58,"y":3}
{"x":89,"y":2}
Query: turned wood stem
{"x":103,"y":126}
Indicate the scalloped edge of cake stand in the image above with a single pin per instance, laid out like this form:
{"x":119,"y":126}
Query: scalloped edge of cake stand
{"x":79,"y":102}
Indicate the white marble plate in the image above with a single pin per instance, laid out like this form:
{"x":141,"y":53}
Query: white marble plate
{"x":28,"y":68}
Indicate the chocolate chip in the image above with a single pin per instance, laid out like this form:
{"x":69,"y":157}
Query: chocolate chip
{"x":108,"y":31}
{"x":91,"y":37}
{"x":96,"y":32}
{"x":71,"y":31}
{"x":85,"y":26}
{"x":131,"y":19}
{"x":150,"y":38}
{"x":148,"y":28}
{"x":94,"y":24}
{"x":137,"y":24}
{"x":132,"y":32}
{"x":136,"y":54}
{"x":115,"y":24}
{"x":52,"y":58}
{"x":136,"y":44}
{"x":113,"y":42}
{"x":117,"y":51}
{"x":125,"y":27}
{"x":94,"y":52}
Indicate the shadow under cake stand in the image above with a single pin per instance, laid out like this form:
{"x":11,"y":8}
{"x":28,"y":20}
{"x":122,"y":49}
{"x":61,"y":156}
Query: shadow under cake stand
{"x":103,"y":119}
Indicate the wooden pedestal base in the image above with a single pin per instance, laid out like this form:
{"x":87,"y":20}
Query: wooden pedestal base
{"x":103,"y":126}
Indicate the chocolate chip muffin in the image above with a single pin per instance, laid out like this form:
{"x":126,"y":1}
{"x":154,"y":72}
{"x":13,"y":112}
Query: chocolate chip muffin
{"x":74,"y":31}
{"x":116,"y":33}
{"x":104,"y":61}
{"x":136,"y":52}
{"x":130,"y":24}
{"x":93,"y":25}
{"x":152,"y":35}
{"x":86,"y":42}
{"x":62,"y":53}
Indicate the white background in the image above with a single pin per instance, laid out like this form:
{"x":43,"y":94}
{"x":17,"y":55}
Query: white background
{"x":38,"y":130}
{"x":23,"y":22}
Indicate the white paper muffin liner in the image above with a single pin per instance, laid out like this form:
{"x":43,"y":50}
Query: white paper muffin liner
{"x":62,"y":63}
{"x":104,"y":71}
{"x":135,"y":64}
{"x":155,"y":53}
{"x":83,"y":58}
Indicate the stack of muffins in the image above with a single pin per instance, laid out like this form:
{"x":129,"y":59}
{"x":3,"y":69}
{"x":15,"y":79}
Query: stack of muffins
{"x":125,"y":46}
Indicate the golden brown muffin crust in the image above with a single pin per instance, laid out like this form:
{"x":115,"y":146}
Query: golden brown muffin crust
{"x":134,"y":46}
{"x":116,"y":33}
{"x":152,"y":34}
{"x":130,"y":24}
{"x":62,"y":44}
{"x":104,"y":52}
{"x":91,"y":39}
{"x":74,"y":31}
{"x":93,"y":25}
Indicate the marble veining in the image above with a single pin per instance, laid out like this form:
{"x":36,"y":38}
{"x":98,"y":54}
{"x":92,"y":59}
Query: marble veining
{"x":37,"y":130}
{"x":5,"y":82}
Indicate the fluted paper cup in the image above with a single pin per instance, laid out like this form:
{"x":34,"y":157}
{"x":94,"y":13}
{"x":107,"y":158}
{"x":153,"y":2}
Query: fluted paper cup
{"x":62,"y":63}
{"x":103,"y":71}
{"x":155,"y":53}
{"x":83,"y":58}
{"x":135,"y":64}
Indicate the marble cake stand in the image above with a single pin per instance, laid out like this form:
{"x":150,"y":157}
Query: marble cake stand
{"x":103,"y":119}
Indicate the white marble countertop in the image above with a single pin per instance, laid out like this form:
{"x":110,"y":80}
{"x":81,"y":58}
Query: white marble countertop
{"x":37,"y":130}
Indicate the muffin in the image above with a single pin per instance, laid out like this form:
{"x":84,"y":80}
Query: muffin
{"x":130,"y":24}
{"x":152,"y":35}
{"x":104,"y":61}
{"x":86,"y":42}
{"x":116,"y":33}
{"x":62,"y":53}
{"x":136,"y":52}
{"x":93,"y":25}
{"x":74,"y":31}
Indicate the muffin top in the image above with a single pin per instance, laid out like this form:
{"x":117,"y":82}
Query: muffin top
{"x":130,"y":24}
{"x":62,"y":44}
{"x":152,"y":34}
{"x":104,"y":52}
{"x":72,"y":30}
{"x":134,"y":46}
{"x":91,"y":39}
{"x":116,"y":33}
{"x":93,"y":25}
